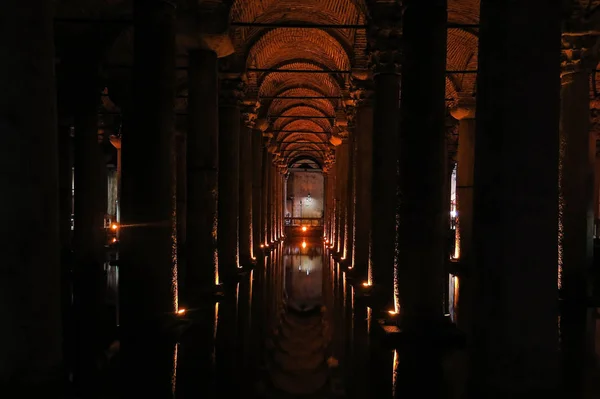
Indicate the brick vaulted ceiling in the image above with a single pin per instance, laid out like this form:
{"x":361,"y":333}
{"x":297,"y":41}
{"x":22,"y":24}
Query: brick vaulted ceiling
{"x":295,"y":48}
{"x":325,"y":49}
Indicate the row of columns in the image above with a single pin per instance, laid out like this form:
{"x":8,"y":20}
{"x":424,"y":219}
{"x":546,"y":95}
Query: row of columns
{"x":219,"y":160}
{"x":525,"y":210}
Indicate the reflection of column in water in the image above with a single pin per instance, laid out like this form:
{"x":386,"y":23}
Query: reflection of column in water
{"x":226,"y":367}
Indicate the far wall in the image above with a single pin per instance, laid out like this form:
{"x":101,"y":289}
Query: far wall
{"x":299,"y":185}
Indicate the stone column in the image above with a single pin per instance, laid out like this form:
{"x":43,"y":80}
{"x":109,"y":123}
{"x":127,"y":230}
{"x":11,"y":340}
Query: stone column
{"x":343,"y":180}
{"x":423,"y":211}
{"x":385,"y":60}
{"x":515,"y":202}
{"x":257,"y":172}
{"x":364,"y":165}
{"x":202,"y":175}
{"x":246,"y":163}
{"x":266,"y":170}
{"x":576,"y":205}
{"x":229,"y":171}
{"x":465,"y":114}
{"x":89,"y":236}
{"x":30,"y":285}
{"x":147,"y":288}
{"x":351,"y":190}
{"x":181,"y":208}
{"x":595,"y":138}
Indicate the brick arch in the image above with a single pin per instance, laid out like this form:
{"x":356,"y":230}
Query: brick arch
{"x":280,"y":45}
{"x":277,"y":106}
{"x":337,"y":12}
{"x":304,"y":110}
{"x":300,"y":158}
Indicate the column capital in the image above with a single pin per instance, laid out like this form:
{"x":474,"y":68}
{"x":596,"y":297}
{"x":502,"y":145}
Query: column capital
{"x":232,"y":88}
{"x":580,"y":51}
{"x":465,"y":108}
{"x":361,"y":92}
{"x":385,"y":37}
{"x":249,"y":113}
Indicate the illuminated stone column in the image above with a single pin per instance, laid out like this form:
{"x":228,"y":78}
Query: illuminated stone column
{"x":266,"y":170}
{"x":351,"y":186}
{"x":576,"y":204}
{"x":30,"y":285}
{"x":515,"y":202}
{"x":202,"y":175}
{"x":385,"y":38}
{"x":147,"y":285}
{"x":364,"y":165}
{"x":257,"y":173}
{"x":341,"y":193}
{"x":465,"y":114}
{"x":269,"y":196}
{"x":246,"y":178}
{"x":230,"y":95}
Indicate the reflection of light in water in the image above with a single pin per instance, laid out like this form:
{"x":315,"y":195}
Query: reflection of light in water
{"x":174,"y":372}
{"x":303,"y":244}
{"x":394,"y":373}
{"x":215,"y":328}
{"x":369,"y":314}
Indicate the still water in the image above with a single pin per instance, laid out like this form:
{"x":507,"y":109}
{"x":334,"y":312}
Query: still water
{"x":271,"y":335}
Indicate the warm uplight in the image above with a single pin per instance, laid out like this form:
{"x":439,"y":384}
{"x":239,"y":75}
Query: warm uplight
{"x":303,"y":244}
{"x":392,"y":312}
{"x":303,"y":228}
{"x":114,"y":239}
{"x":366,"y":284}
{"x":262,"y":245}
{"x":181,"y":312}
{"x":114,"y":226}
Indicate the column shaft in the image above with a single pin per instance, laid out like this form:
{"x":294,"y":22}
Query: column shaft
{"x":202,"y":177}
{"x":364,"y":165}
{"x":246,"y":195}
{"x":576,"y":222}
{"x":257,"y":173}
{"x":266,"y":173}
{"x":181,"y":208}
{"x":383,"y":184}
{"x":515,"y":202}
{"x":229,"y":185}
{"x":423,"y":220}
{"x":89,"y":235}
{"x":30,"y":283}
{"x":147,"y":289}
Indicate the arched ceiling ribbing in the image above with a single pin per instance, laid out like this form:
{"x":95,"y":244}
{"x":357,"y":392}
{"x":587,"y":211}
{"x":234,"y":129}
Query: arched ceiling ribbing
{"x":295,"y":132}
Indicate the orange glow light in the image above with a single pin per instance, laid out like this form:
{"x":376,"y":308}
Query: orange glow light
{"x":181,"y":312}
{"x":114,"y":239}
{"x":303,"y":228}
{"x":366,"y":284}
{"x":114,"y":226}
{"x":392,"y":312}
{"x":303,"y":244}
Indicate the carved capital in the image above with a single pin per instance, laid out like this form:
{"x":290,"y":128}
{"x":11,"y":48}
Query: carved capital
{"x":465,"y":108}
{"x":232,"y":89}
{"x":249,"y":113}
{"x":385,"y":37}
{"x":362,"y":92}
{"x":579,"y":51}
